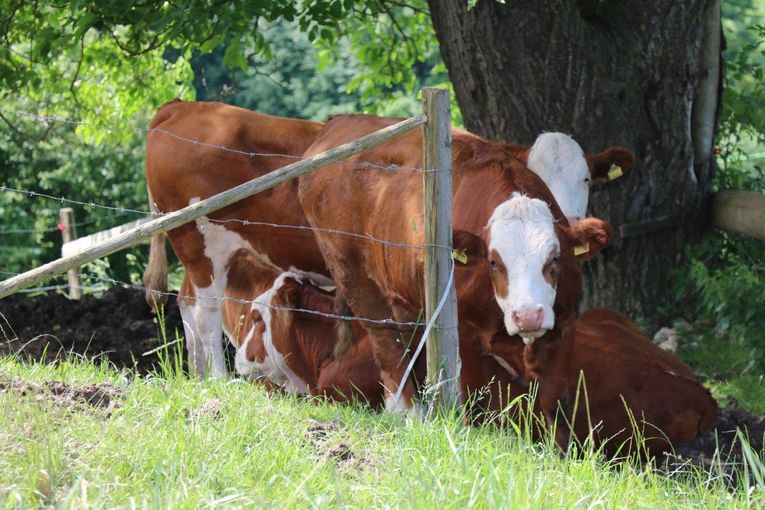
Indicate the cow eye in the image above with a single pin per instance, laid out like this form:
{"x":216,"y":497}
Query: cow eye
{"x":492,"y":262}
{"x":556,"y":258}
{"x":587,"y":179}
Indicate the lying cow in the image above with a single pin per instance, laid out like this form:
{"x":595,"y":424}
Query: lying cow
{"x":278,"y":322}
{"x":521,"y":272}
{"x":622,"y":385}
{"x":185,"y":163}
{"x":627,"y":381}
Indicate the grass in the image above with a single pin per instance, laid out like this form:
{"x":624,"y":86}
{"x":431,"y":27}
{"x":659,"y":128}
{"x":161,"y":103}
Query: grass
{"x":161,"y":449}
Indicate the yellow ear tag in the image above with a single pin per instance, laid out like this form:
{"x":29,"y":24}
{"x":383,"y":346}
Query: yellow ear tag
{"x":459,"y":256}
{"x":614,"y":172}
{"x":581,"y":250}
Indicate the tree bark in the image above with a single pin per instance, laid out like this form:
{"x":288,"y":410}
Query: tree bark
{"x":644,"y":75}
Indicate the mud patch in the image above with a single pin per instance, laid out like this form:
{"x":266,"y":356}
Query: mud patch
{"x":329,"y":440}
{"x":104,"y":397}
{"x":118,"y":326}
{"x":211,"y":410}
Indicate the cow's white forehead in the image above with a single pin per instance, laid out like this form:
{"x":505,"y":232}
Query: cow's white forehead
{"x":556,"y":153}
{"x":521,"y":230}
{"x":559,"y":161}
{"x":521,"y":208}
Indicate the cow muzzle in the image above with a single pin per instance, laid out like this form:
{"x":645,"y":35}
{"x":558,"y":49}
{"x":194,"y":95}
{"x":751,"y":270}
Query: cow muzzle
{"x":529,"y":320}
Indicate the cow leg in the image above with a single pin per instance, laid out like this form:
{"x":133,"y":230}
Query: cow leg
{"x":207,"y":316}
{"x":186,"y":304}
{"x":365,"y":299}
{"x":392,"y":358}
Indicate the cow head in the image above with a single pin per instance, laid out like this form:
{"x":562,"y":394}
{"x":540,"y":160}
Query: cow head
{"x":528,"y":255}
{"x":568,"y":172}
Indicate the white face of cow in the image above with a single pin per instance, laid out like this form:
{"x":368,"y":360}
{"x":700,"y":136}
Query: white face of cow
{"x":523,"y":262}
{"x":559,"y":161}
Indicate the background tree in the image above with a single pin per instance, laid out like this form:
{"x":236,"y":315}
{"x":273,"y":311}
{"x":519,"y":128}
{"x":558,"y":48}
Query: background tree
{"x":645,"y":75}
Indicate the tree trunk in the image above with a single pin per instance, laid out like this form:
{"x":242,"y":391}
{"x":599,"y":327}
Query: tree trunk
{"x":644,"y":75}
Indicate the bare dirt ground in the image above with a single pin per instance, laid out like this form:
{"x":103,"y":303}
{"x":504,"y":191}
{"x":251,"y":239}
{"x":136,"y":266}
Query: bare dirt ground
{"x":119,"y":327}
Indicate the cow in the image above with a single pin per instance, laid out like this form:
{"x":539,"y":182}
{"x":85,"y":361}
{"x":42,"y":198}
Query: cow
{"x":628,"y":395}
{"x":521,"y":272}
{"x":185,"y":163}
{"x":197,"y":149}
{"x":570,"y":173}
{"x":282,"y":327}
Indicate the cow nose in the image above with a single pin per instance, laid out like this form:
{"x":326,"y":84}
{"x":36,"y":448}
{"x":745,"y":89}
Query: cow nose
{"x":529,"y":318}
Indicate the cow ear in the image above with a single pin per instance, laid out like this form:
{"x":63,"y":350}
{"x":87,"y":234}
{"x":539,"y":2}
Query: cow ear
{"x":588,"y":236}
{"x":609,"y":164}
{"x":293,"y":293}
{"x":467,"y":246}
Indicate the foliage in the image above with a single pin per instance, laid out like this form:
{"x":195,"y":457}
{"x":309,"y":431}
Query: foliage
{"x":115,"y":58}
{"x":374,"y":64}
{"x":167,"y":444}
{"x":741,"y":135}
{"x":724,"y":276}
{"x":49,"y":157}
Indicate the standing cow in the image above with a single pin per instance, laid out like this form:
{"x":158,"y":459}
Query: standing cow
{"x":521,"y":273}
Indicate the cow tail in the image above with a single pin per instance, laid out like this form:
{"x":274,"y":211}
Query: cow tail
{"x":155,"y":275}
{"x":342,"y":328}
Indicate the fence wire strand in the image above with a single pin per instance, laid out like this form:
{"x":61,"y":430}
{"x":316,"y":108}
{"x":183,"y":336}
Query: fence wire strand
{"x":179,"y":296}
{"x":250,"y":154}
{"x":101,"y":219}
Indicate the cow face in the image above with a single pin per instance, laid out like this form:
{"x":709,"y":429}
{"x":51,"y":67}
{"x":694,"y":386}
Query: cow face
{"x":568,"y":172}
{"x":523,"y":259}
{"x":560,"y":162}
{"x":527,"y":254}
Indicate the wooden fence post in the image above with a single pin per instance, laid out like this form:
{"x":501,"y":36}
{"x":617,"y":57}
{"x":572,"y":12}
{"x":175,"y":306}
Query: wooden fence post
{"x":443,"y":341}
{"x":742,"y":212}
{"x":69,"y":234}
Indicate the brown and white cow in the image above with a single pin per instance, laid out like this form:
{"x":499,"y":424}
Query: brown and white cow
{"x":521,"y":275}
{"x":281,"y":325}
{"x":569,"y":173}
{"x":179,"y":172}
{"x":621,"y":384}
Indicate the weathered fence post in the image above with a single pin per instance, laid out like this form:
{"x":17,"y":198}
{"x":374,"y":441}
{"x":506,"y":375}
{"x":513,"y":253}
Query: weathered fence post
{"x":442,"y":343}
{"x":69,"y":234}
{"x":742,"y":212}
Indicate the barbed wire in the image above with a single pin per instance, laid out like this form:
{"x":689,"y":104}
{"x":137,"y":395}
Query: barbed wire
{"x":178,"y":295}
{"x":201,"y":143}
{"x":123,"y":210}
{"x":64,"y":200}
{"x":57,"y":228}
{"x":224,"y":148}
